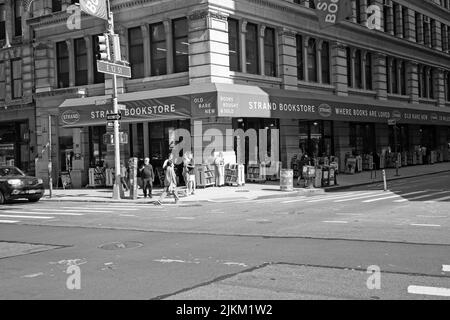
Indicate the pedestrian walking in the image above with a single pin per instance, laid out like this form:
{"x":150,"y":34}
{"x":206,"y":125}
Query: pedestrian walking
{"x":219,"y":163}
{"x":191,"y":172}
{"x":186,"y":172}
{"x":148,"y":177}
{"x":170,"y":181}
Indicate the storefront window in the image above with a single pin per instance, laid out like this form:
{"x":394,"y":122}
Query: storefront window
{"x":315,"y":138}
{"x":362,"y":138}
{"x":66,"y":153}
{"x":402,"y":138}
{"x":14,"y":145}
{"x":97,"y":148}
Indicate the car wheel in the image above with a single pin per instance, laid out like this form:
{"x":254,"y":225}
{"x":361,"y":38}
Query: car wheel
{"x":2,"y":198}
{"x":34,"y":199}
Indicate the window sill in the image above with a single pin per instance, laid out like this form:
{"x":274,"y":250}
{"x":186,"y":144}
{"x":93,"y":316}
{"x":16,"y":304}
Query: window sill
{"x":398,"y":97}
{"x":257,"y":77}
{"x":428,"y":101}
{"x":317,"y":85}
{"x":158,"y":78}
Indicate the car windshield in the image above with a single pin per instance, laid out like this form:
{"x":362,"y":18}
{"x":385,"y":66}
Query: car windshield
{"x":10,"y":171}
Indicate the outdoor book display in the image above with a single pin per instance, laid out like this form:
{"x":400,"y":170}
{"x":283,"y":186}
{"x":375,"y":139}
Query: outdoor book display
{"x":234,"y":174}
{"x":97,"y":177}
{"x":204,"y":175}
{"x":256,"y":173}
{"x":66,"y":181}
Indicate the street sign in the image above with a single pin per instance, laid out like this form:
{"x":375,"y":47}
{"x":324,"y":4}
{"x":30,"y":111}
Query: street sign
{"x":113,"y":68}
{"x":114,"y":116}
{"x":121,"y":107}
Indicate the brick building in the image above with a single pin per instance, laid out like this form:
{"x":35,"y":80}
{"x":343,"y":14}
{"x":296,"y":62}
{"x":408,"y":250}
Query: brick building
{"x":238,"y":65}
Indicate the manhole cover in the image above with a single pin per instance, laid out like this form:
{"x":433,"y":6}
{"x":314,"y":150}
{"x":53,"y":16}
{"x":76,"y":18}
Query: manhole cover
{"x":121,"y":245}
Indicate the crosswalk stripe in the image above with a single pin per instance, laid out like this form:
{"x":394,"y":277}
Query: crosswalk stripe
{"x":106,"y":208}
{"x":296,"y":200}
{"x":445,"y":268}
{"x":24,"y":217}
{"x":429,"y":291}
{"x":421,"y":197}
{"x":439,"y":199}
{"x":8,"y":221}
{"x":392,"y":197}
{"x":335,"y":197}
{"x":44,"y":213}
{"x":361,"y":197}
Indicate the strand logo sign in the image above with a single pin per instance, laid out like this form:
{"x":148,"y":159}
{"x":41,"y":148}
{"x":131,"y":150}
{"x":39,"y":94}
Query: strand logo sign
{"x":325,"y":110}
{"x":70,"y":117}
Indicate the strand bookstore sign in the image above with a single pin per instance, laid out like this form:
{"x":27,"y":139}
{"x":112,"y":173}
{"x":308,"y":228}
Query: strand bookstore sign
{"x":236,"y":101}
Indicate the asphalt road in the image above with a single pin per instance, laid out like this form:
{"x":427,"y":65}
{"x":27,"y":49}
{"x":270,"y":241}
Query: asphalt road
{"x":316,"y":247}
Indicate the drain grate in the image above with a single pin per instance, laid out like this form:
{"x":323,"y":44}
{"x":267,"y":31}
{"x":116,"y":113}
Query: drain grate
{"x":121,"y":245}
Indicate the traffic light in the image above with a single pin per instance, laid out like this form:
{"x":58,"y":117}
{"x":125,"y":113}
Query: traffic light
{"x":103,"y":48}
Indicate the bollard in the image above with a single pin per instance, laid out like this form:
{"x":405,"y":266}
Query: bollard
{"x":384,"y":180}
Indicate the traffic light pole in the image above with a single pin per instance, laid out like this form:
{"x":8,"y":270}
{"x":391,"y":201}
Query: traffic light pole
{"x":117,"y":182}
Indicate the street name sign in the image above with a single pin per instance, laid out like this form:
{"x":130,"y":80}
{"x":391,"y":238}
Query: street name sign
{"x":114,"y":116}
{"x":113,"y":68}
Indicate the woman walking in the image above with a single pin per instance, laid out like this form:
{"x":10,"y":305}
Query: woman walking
{"x":170,"y":181}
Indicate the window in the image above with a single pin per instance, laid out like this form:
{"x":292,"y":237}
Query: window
{"x":349,"y":67}
{"x":396,"y":9}
{"x":325,"y":61}
{"x":2,"y":81}
{"x":312,"y":60}
{"x":269,"y":53}
{"x":16,"y":76}
{"x":405,"y":19}
{"x":56,"y":5}
{"x":418,"y":26}
{"x":358,"y":70}
{"x":251,"y":48}
{"x":62,"y":57}
{"x":181,"y":45}
{"x":394,"y":80}
{"x":2,"y":22}
{"x":358,"y":11}
{"x":433,"y":33}
{"x":368,"y":66}
{"x":234,"y":47}
{"x":18,"y":11}
{"x":403,"y":77}
{"x":300,"y":72}
{"x":158,"y":49}
{"x":431,"y":83}
{"x":99,"y":77}
{"x":421,"y":76}
{"x":386,"y":11}
{"x":81,"y":67}
{"x":136,"y":52}
{"x":427,"y":31}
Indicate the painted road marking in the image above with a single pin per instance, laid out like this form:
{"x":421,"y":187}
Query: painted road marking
{"x":185,"y":218}
{"x":392,"y":197}
{"x":341,"y":222}
{"x":297,"y":200}
{"x":422,"y":216}
{"x":429,"y":291}
{"x":439,"y":199}
{"x":8,"y":221}
{"x":424,"y":225}
{"x":335,"y":197}
{"x":81,"y":210}
{"x":446,"y":268}
{"x":43,"y":213}
{"x":362,"y":197}
{"x":421,"y":197}
{"x":24,"y":217}
{"x":106,"y":208}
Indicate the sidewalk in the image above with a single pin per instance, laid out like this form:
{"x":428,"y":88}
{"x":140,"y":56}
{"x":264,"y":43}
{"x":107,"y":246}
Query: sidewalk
{"x":267,"y":190}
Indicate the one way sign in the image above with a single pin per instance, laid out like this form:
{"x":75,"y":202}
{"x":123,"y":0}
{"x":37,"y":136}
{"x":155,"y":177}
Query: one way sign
{"x":114,"y":117}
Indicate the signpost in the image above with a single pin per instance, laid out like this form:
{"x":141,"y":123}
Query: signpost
{"x":109,"y":61}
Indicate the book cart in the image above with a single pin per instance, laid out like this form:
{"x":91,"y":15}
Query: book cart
{"x":204,"y":175}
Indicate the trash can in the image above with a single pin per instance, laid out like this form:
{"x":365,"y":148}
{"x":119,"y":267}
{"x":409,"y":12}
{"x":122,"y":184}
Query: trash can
{"x":287,"y":180}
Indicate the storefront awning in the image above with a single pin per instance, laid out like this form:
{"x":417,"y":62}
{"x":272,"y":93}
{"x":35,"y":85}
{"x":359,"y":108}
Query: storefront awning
{"x":241,"y":101}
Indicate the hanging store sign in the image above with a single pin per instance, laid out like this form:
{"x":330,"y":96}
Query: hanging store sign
{"x":96,"y":8}
{"x":331,"y":12}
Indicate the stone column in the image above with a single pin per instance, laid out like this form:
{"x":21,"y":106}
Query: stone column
{"x":339,"y":68}
{"x":380,"y":76}
{"x":363,"y":10}
{"x":445,"y":38}
{"x":208,"y":49}
{"x":399,"y":20}
{"x":319,"y":60}
{"x":390,"y":17}
{"x":363,"y":69}
{"x":410,"y":32}
{"x":288,"y":59}
{"x":439,"y":87}
{"x":90,"y":59}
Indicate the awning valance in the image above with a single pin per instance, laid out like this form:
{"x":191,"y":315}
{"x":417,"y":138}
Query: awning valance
{"x":241,"y":101}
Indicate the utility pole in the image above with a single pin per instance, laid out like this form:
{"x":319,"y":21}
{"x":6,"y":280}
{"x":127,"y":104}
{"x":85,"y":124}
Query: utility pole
{"x":117,"y":182}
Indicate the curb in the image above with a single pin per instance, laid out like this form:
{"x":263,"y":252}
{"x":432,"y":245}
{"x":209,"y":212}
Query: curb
{"x":337,"y":188}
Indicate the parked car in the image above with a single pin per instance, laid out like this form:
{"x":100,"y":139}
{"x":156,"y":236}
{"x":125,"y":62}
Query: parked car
{"x":14,"y":184}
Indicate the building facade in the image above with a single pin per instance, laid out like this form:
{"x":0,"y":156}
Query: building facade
{"x":18,"y":144}
{"x":260,"y":64}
